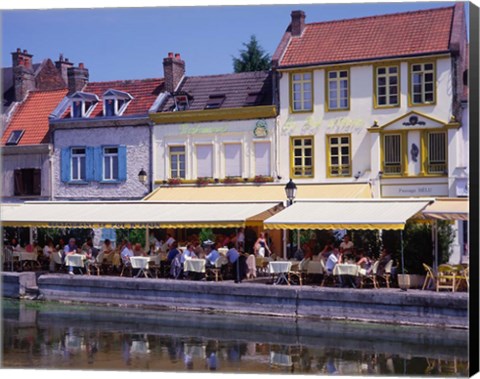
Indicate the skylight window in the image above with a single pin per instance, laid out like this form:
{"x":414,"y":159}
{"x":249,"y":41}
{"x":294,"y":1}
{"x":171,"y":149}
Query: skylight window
{"x":215,"y":101}
{"x":253,"y":98}
{"x":15,"y":136}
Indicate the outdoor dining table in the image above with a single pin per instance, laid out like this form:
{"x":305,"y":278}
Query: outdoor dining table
{"x":24,"y":257}
{"x":75,"y":260}
{"x":140,"y":263}
{"x":347,"y":270}
{"x":194,"y":265}
{"x":280,"y":268}
{"x":223,"y":250}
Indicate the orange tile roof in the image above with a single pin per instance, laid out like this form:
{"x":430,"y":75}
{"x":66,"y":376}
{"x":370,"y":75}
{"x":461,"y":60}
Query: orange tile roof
{"x":143,"y":91}
{"x":32,"y":116}
{"x":385,"y":36}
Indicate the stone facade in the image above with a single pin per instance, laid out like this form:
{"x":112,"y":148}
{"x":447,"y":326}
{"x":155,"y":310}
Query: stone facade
{"x":137,"y":141}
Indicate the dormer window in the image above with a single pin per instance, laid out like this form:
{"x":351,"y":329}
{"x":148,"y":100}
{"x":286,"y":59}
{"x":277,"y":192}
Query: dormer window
{"x":215,"y":101}
{"x":15,"y":136}
{"x":182,"y":101}
{"x":253,"y":98}
{"x":115,"y":102}
{"x":82,"y":104}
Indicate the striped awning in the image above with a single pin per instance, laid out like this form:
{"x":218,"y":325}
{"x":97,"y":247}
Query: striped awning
{"x":336,"y":214}
{"x":447,"y":209}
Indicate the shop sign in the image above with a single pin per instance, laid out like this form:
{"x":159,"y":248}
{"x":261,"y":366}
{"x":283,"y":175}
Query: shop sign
{"x":414,"y":190}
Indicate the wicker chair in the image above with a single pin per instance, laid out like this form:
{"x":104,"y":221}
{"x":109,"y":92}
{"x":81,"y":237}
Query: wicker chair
{"x":446,"y":278}
{"x":429,"y":278}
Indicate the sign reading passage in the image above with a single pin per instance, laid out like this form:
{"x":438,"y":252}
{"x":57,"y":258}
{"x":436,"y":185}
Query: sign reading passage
{"x":415,"y":190}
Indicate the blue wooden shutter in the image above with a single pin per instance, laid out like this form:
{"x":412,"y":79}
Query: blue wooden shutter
{"x":89,"y":164}
{"x":65,"y":164}
{"x":122,"y":163}
{"x":98,"y":163}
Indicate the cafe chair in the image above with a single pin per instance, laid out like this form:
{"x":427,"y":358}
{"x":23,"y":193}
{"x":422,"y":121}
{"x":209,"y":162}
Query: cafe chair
{"x":429,"y":278}
{"x":216,"y":272}
{"x":252,"y":267}
{"x":126,"y":269}
{"x":387,"y":273}
{"x":369,"y":277}
{"x":446,"y":278}
{"x":461,"y":277}
{"x":299,"y":272}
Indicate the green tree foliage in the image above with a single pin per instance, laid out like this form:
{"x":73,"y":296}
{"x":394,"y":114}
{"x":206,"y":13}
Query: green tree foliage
{"x":132,"y":235}
{"x":252,"y":58}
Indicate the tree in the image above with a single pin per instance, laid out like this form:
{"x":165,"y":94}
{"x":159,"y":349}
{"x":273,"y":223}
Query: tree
{"x":252,"y":58}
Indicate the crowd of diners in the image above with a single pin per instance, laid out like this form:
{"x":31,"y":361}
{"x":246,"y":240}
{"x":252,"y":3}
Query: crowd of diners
{"x":113,"y":257}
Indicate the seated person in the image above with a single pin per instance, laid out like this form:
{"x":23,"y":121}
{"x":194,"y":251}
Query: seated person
{"x":138,"y":250}
{"x":173,"y":252}
{"x":189,"y":253}
{"x":384,"y":258}
{"x":126,"y":253}
{"x":334,"y":258}
{"x":327,"y":250}
{"x":364,"y":261}
{"x":212,"y":255}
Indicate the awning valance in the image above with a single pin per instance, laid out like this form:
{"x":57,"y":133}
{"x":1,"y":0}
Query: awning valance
{"x":263,"y":192}
{"x":447,"y":209}
{"x":138,"y":214}
{"x":336,"y":214}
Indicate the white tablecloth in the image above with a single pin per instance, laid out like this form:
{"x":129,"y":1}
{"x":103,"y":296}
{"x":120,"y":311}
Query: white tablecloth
{"x":75,"y":260}
{"x":24,"y":256}
{"x":223,"y":250}
{"x":140,"y":262}
{"x":346,"y":269}
{"x":314,"y":267}
{"x":194,"y":265}
{"x":279,"y":267}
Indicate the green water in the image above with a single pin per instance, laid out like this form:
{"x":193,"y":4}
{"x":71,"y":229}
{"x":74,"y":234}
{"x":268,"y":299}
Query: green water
{"x":67,"y":336}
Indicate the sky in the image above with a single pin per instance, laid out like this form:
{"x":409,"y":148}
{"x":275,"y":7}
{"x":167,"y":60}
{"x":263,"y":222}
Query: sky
{"x":130,"y":43}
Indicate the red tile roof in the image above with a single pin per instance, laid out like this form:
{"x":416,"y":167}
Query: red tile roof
{"x":32,"y":116}
{"x":385,"y":36}
{"x":143,"y":91}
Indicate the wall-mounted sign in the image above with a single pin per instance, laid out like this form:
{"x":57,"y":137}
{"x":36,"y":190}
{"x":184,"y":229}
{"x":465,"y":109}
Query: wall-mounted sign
{"x":414,"y":190}
{"x":260,"y":130}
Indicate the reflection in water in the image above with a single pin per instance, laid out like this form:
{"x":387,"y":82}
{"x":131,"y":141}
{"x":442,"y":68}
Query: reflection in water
{"x":46,"y":335}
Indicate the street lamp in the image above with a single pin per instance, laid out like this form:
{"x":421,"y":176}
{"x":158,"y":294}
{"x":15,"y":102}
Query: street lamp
{"x":291,"y":191}
{"x":142,"y":176}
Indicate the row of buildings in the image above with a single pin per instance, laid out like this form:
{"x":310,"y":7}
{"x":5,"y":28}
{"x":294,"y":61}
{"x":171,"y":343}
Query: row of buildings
{"x":380,"y":101}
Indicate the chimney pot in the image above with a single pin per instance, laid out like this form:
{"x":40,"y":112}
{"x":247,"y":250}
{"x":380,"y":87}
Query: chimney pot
{"x":19,"y":50}
{"x":81,"y":65}
{"x":25,"y":51}
{"x":170,"y":55}
{"x":177,"y":56}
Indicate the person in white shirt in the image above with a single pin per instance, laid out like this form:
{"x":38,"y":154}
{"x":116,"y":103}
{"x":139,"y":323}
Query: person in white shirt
{"x":334,"y":258}
{"x":170,"y":240}
{"x":126,"y":253}
{"x":189,"y":253}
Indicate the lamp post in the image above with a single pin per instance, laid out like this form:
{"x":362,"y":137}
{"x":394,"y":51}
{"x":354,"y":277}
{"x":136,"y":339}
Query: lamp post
{"x":142,"y":176}
{"x":291,"y":193}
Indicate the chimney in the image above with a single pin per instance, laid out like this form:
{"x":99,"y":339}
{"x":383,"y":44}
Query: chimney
{"x":23,"y":75}
{"x":77,"y":78}
{"x":173,"y":71}
{"x":62,"y":66}
{"x":298,"y":23}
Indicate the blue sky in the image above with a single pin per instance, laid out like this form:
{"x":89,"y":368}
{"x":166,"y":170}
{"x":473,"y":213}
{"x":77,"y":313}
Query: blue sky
{"x":130,"y":43}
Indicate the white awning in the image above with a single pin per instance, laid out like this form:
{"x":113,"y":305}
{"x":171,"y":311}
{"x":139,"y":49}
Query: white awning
{"x":139,"y":214}
{"x":347,"y":214}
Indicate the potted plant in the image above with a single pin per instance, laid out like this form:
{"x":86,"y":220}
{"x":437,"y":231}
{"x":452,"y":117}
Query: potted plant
{"x":262,"y":179}
{"x":230,"y":180}
{"x":174,"y":181}
{"x":202,"y":182}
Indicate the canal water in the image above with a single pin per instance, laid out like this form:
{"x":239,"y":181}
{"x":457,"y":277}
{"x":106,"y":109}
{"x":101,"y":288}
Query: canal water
{"x":46,"y":335}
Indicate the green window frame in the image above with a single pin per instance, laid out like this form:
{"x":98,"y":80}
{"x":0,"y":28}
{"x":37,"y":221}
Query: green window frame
{"x":338,"y":90}
{"x":302,"y":157}
{"x":422,"y":83}
{"x":339,"y":155}
{"x":387,"y":86}
{"x":301,"y":91}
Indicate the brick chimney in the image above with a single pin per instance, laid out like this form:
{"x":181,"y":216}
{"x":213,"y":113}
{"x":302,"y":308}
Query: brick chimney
{"x":298,"y":23}
{"x":173,"y":71}
{"x":62,"y":66}
{"x":23,"y":75}
{"x":77,"y":78}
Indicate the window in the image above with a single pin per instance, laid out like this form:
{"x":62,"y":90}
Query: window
{"x":253,"y":98}
{"x":437,"y":153}
{"x":233,"y":160}
{"x":115,"y":102}
{"x":262,"y":158}
{"x":215,"y":101}
{"x":177,"y":162}
{"x":301,"y":92}
{"x":392,"y":154}
{"x":387,"y":86}
{"x":339,"y":153}
{"x":181,"y":102}
{"x":337,"y":90}
{"x":204,"y":161}
{"x":422,"y":82}
{"x":15,"y":137}
{"x":82,"y":104}
{"x":110,"y":163}
{"x":78,"y":164}
{"x":27,"y":182}
{"x":302,"y":157}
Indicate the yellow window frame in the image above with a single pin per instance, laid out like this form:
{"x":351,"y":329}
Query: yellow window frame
{"x":403,"y":151}
{"x":441,"y":169}
{"x":338,"y":80}
{"x":339,"y":166}
{"x":423,"y":71}
{"x":177,"y":154}
{"x":387,"y":75}
{"x":302,"y":81}
{"x":302,"y":147}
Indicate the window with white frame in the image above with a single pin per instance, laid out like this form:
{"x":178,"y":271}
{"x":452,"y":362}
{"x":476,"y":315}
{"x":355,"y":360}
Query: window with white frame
{"x":78,"y":165}
{"x":233,"y":160}
{"x":422,"y":77}
{"x":204,"y":161}
{"x":115,"y":102}
{"x":437,"y":153}
{"x":82,"y":104}
{"x":177,"y":161}
{"x":387,"y":86}
{"x":110,"y":163}
{"x":262,"y":158}
{"x":392,"y":154}
{"x":301,"y":92}
{"x":338,"y":89}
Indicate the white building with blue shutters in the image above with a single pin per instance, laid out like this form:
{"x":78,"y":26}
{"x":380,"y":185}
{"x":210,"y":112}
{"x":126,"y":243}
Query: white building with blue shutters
{"x":101,"y":135}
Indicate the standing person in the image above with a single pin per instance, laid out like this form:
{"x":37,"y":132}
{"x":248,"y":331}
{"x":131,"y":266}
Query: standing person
{"x":240,"y":240}
{"x":70,"y":249}
{"x":261,"y":246}
{"x":346,"y":247}
{"x":170,"y":240}
{"x":238,"y":262}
